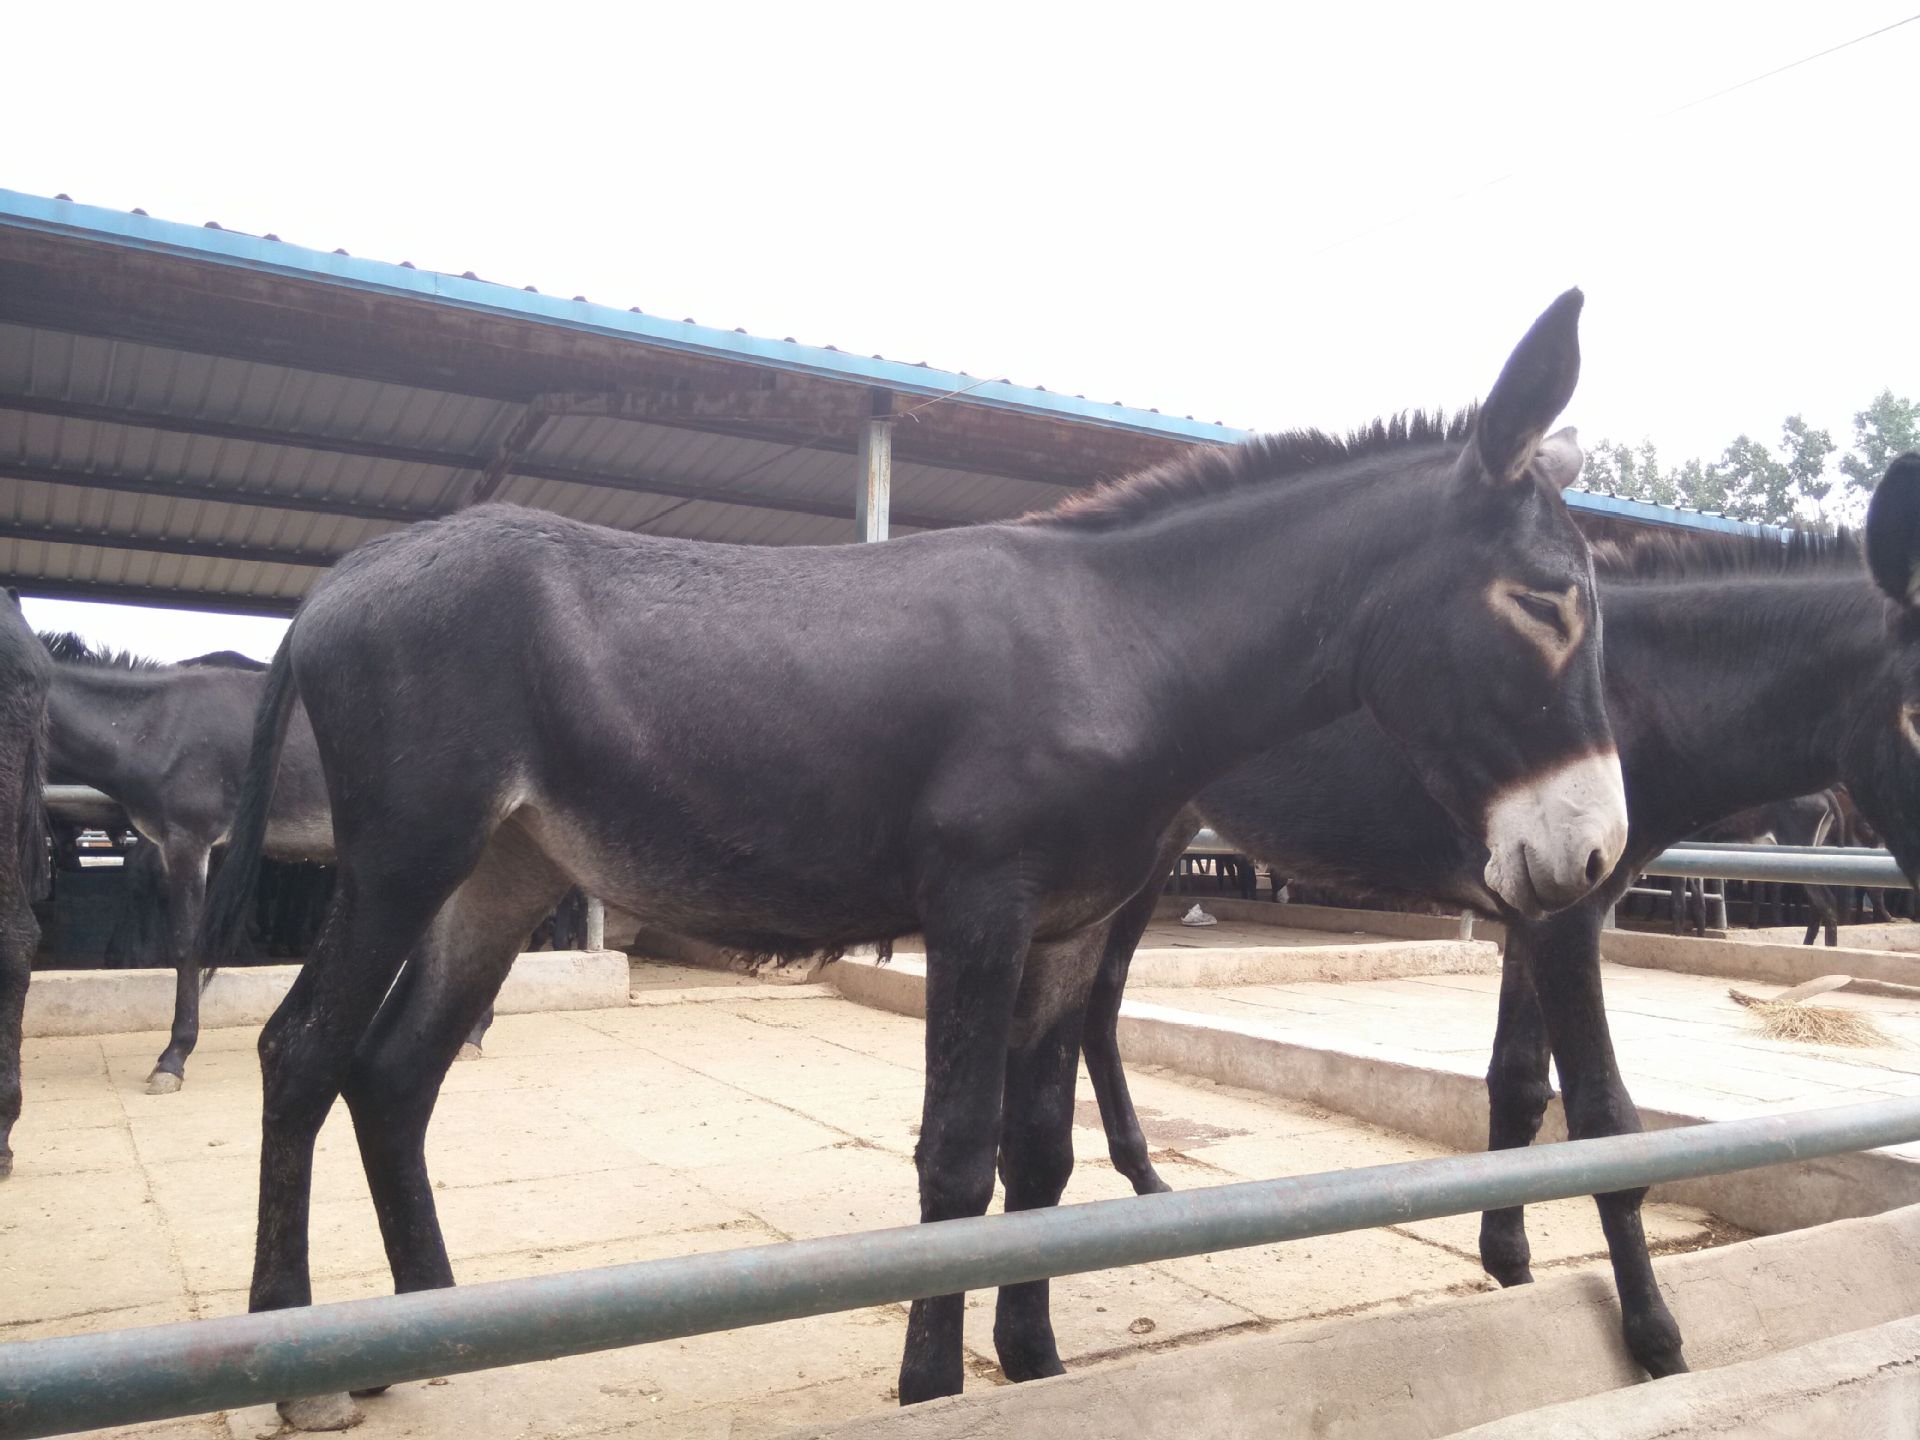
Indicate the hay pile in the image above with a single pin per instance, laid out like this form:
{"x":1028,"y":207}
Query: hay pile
{"x":1812,"y":1024}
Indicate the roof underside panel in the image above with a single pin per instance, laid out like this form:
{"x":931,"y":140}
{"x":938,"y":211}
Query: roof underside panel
{"x":198,"y":417}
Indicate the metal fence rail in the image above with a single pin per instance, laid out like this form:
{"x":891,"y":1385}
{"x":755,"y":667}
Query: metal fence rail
{"x":1717,"y":860}
{"x":1796,"y":865}
{"x":133,"y":1376}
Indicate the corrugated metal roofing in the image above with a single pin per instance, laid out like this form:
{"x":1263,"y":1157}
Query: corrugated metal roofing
{"x":193,"y":416}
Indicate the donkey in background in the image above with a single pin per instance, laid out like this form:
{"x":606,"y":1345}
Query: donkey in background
{"x":984,"y":733}
{"x":25,"y":674}
{"x":169,"y":743}
{"x":1816,"y":819}
{"x":1737,"y":674}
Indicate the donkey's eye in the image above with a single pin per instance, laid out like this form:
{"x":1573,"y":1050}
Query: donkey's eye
{"x":1547,"y":612}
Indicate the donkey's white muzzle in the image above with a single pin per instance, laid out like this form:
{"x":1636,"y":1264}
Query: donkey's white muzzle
{"x":1551,"y":840}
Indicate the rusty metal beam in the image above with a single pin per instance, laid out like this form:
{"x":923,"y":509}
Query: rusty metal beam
{"x":229,"y":430}
{"x":167,"y":545}
{"x":73,"y":286}
{"x":153,"y":596}
{"x":167,"y":489}
{"x":452,"y":460}
{"x":512,"y":447}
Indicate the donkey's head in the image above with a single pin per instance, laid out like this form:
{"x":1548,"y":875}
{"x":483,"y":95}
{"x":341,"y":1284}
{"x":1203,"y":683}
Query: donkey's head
{"x":1486,"y":658}
{"x":1880,"y":757}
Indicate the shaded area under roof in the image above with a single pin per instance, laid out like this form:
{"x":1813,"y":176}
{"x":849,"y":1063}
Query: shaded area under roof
{"x":195,"y":417}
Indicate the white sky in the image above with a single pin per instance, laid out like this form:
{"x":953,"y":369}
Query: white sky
{"x":1273,"y":216}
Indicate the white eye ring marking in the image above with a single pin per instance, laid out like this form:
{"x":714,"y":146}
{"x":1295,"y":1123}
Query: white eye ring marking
{"x":1556,"y":644}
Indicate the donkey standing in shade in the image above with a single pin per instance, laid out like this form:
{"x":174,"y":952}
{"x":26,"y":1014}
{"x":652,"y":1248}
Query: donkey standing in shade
{"x":169,"y":743}
{"x":1803,"y":820}
{"x":25,"y":673}
{"x":1736,"y":675}
{"x":983,"y":735}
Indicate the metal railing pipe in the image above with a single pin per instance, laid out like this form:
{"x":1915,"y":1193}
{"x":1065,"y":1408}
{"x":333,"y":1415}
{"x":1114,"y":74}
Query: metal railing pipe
{"x":1834,"y":867}
{"x":82,"y":803}
{"x":130,"y":1376}
{"x":1743,"y":847}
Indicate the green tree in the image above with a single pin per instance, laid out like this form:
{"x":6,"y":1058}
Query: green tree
{"x":1753,"y":481}
{"x":1886,"y":428}
{"x":1768,"y":488}
{"x":1635,"y":473}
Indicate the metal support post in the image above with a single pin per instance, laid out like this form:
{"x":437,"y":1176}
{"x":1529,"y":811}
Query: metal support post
{"x":874,"y":499}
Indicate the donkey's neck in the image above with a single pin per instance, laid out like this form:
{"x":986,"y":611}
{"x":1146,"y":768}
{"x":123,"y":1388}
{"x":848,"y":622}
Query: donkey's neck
{"x":1731,"y":695}
{"x":1245,"y":621}
{"x":97,"y":718}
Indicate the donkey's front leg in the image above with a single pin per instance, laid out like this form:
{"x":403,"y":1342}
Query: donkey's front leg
{"x":1517,"y":1096}
{"x":186,"y":866}
{"x":1565,"y":960}
{"x":976,"y":940}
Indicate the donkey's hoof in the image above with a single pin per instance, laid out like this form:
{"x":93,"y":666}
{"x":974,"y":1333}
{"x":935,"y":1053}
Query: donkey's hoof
{"x":6,"y":1163}
{"x":164,"y":1082}
{"x":469,"y":1051}
{"x":320,"y":1412}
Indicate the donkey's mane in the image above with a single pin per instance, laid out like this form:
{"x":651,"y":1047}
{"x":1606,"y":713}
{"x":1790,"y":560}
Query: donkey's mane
{"x":1696,"y":556}
{"x":1265,"y":459}
{"x":70,"y":649}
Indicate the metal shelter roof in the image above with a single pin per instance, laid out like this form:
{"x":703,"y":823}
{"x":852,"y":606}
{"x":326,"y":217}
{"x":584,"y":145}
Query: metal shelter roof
{"x":196,"y":417}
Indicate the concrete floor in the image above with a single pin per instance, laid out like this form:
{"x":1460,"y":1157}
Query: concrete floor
{"x":718,"y":1111}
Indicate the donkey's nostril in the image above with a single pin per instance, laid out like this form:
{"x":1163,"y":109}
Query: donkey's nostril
{"x":1596,"y":866}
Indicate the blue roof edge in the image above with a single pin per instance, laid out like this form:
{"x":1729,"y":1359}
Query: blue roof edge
{"x":1647,"y":513}
{"x":281,"y":257}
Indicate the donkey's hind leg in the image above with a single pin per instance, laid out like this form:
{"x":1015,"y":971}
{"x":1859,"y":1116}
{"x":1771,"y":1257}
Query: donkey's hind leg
{"x":186,"y":891}
{"x":450,"y":980}
{"x":19,"y":935}
{"x":476,"y":1037}
{"x":1126,"y":1141}
{"x":381,"y":909}
{"x":1517,"y":1096}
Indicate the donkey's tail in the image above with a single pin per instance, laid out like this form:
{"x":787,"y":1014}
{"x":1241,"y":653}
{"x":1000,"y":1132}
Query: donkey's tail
{"x":223,"y":920}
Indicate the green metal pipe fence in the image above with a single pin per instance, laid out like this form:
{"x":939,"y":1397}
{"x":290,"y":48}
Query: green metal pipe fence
{"x":48,"y":1387}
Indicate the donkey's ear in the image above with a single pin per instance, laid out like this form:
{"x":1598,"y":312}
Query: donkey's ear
{"x":1893,"y":531}
{"x":1528,"y":397}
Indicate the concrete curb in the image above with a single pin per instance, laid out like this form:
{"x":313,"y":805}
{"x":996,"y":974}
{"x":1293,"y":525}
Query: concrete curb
{"x":1766,"y":962}
{"x":1400,"y":924}
{"x":1866,"y":1383}
{"x":1900,"y":936}
{"x":1198,"y":966}
{"x":1434,"y":1370}
{"x":108,"y":1002}
{"x":1443,"y":1106}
